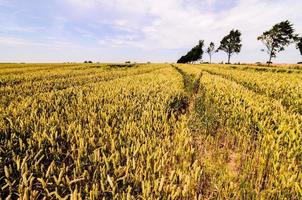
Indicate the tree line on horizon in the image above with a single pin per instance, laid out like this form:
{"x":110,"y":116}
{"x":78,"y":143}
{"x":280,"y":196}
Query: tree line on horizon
{"x":275,"y":40}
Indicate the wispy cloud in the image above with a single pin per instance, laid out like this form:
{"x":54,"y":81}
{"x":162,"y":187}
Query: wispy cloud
{"x":153,"y":30}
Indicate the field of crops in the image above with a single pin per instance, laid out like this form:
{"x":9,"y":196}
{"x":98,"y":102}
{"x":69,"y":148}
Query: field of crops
{"x":150,"y":131}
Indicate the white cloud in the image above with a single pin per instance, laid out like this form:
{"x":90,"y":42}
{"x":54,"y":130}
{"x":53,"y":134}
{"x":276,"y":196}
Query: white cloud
{"x":176,"y":25}
{"x":179,"y":23}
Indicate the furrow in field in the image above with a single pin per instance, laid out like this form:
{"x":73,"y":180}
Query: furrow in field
{"x":191,"y":84}
{"x":110,"y":140}
{"x":246,"y":141}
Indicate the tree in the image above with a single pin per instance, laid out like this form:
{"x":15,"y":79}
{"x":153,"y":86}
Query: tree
{"x":211,"y":50}
{"x":194,"y":54}
{"x":299,"y":45}
{"x":231,"y":43}
{"x":277,"y":38}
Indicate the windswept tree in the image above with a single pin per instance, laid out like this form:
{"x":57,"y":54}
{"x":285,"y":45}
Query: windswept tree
{"x":277,"y":38}
{"x":194,"y":54}
{"x":231,"y":43}
{"x":211,"y":50}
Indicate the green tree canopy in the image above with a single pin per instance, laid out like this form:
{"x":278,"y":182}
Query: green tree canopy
{"x":231,"y":43}
{"x":278,"y":37}
{"x":194,"y":54}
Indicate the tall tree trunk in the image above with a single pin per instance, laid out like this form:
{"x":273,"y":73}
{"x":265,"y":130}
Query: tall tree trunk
{"x":271,"y":54}
{"x":210,"y":58}
{"x":229,"y":58}
{"x":270,"y":58}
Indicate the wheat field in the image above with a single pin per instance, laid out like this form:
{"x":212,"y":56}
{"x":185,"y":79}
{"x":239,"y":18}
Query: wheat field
{"x":150,"y":131}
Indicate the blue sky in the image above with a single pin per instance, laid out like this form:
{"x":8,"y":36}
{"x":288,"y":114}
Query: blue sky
{"x":137,"y":30}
